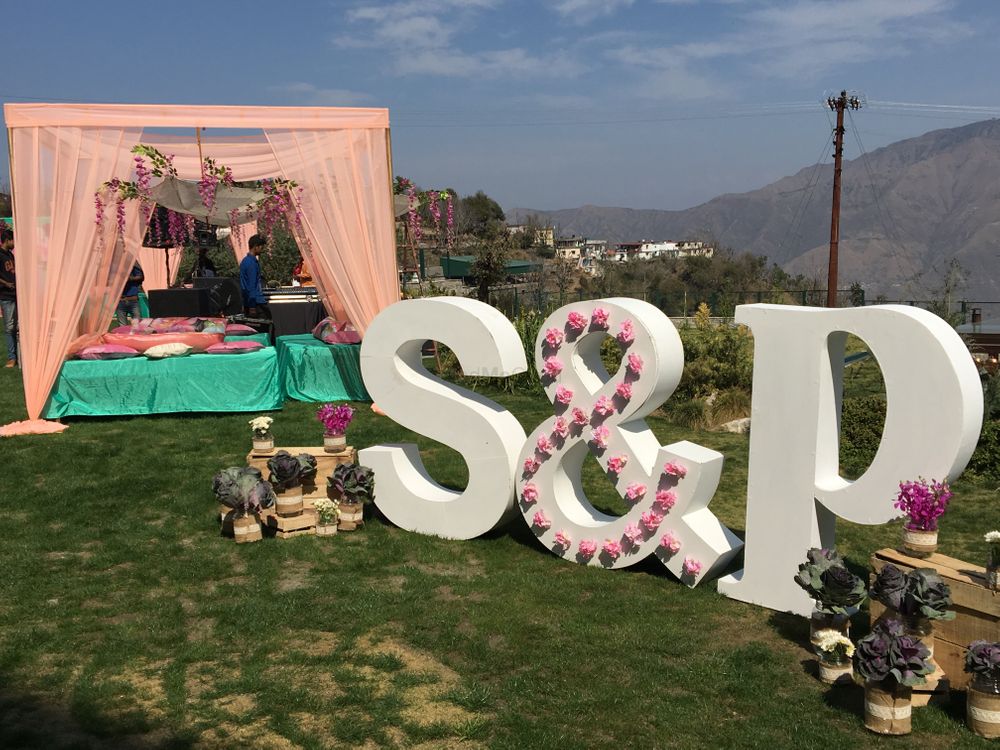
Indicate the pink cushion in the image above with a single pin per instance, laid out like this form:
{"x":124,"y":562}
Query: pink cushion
{"x":331,"y":331}
{"x":182,"y":328}
{"x":238,"y":329}
{"x":108,"y":351}
{"x":342,"y":337}
{"x":126,"y":330}
{"x":234,"y":347}
{"x":199,"y":342}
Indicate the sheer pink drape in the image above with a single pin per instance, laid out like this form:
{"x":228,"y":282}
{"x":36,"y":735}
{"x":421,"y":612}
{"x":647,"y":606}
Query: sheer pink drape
{"x":55,"y":171}
{"x":347,"y":219}
{"x":154,"y":266}
{"x":241,"y":244}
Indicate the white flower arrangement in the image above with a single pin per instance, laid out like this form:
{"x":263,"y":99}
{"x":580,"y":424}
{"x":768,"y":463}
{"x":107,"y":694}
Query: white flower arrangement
{"x":261,"y":425}
{"x":993,"y":539}
{"x":834,"y":645}
{"x":329,"y":510}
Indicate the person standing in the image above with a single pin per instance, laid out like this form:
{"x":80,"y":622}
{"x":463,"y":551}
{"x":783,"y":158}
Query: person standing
{"x":128,"y":307}
{"x":251,"y":281}
{"x":8,"y":295}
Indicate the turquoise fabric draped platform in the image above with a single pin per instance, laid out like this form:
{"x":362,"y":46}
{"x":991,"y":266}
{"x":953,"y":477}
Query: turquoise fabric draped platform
{"x":314,"y":371}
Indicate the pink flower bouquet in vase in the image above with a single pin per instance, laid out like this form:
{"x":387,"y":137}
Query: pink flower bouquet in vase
{"x":335,"y":421}
{"x":923,"y":503}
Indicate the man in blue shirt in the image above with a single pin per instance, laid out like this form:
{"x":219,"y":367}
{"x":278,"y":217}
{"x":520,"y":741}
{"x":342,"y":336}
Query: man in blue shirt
{"x":128,"y":307}
{"x":251,"y":285}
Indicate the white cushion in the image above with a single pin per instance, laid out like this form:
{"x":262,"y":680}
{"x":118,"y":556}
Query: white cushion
{"x":161,"y":351}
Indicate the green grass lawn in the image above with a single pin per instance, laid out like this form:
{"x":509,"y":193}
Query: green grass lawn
{"x":126,"y":620}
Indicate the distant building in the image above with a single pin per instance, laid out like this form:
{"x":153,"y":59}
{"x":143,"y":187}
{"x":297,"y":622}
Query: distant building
{"x":647,"y":250}
{"x":544,"y":236}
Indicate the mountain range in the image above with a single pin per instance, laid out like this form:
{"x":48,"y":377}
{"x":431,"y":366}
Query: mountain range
{"x":908,"y":210}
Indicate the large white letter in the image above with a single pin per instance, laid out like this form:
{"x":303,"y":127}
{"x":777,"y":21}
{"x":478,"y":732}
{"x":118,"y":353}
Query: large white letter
{"x":487,"y":436}
{"x":794,"y":488}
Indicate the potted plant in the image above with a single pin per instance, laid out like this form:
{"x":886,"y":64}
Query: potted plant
{"x":335,"y":421}
{"x":923,"y":503}
{"x":287,"y":473}
{"x":353,"y":485}
{"x":263,"y":440}
{"x":329,"y":513}
{"x":891,"y":663}
{"x":834,"y":650}
{"x":993,"y":561}
{"x":917,"y":598}
{"x":242,"y":489}
{"x":982,"y":705}
{"x":835,"y":590}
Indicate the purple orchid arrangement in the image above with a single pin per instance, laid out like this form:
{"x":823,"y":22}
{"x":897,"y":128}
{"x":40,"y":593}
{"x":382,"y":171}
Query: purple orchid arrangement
{"x":335,"y":419}
{"x":923,"y":503}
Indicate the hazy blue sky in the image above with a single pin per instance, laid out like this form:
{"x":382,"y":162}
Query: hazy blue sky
{"x":547,"y":104}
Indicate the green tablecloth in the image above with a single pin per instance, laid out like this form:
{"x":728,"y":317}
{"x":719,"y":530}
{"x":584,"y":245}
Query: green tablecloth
{"x":260,"y":338}
{"x":199,"y":382}
{"x":314,"y":371}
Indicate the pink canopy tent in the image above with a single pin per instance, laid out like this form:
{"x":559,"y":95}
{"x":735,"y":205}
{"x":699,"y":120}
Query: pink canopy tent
{"x":70,"y":276}
{"x":154,"y":266}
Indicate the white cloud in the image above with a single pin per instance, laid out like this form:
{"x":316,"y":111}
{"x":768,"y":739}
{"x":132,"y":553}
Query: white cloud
{"x":308,"y":93}
{"x":585,"y":11}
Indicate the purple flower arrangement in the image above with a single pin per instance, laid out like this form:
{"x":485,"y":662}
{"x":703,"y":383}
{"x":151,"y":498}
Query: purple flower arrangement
{"x":335,"y":419}
{"x":923,"y":503}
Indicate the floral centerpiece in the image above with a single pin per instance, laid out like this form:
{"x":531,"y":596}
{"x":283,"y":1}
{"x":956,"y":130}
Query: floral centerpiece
{"x":993,"y":561}
{"x":287,"y":474}
{"x":263,"y":440}
{"x":834,"y":650}
{"x":244,"y":491}
{"x":923,"y":503}
{"x":891,"y":663}
{"x":353,"y":485}
{"x":329,"y":512}
{"x":835,"y":590}
{"x":916,"y":598}
{"x":982,"y":661}
{"x":336,"y":420}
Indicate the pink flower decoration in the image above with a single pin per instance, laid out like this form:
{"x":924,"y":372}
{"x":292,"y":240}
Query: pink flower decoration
{"x":587,"y":547}
{"x":531,"y":465}
{"x":543,"y":444}
{"x":603,"y":406}
{"x":624,"y":390}
{"x":634,"y":362}
{"x":599,"y":317}
{"x":634,"y":491}
{"x":612,"y":549}
{"x":580,"y":417}
{"x":633,"y":533}
{"x":617,"y":463}
{"x":670,"y":542}
{"x":563,"y":539}
{"x":675,"y":470}
{"x":626,"y":334}
{"x":665,"y":499}
{"x":529,"y":493}
{"x":651,"y":520}
{"x":540,"y":520}
{"x":576,"y":321}
{"x":553,"y":337}
{"x":600,"y":436}
{"x":564,"y":395}
{"x":691,"y":566}
{"x":561,"y":429}
{"x":552,"y":367}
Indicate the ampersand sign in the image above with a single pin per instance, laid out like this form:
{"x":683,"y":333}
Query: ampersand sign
{"x":667,"y":488}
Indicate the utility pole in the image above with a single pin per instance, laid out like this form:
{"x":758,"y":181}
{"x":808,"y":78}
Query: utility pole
{"x":837,"y":104}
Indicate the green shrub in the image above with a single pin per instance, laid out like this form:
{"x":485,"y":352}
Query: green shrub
{"x":730,"y":404}
{"x":985,"y":462}
{"x":861,"y":425}
{"x":692,"y":414}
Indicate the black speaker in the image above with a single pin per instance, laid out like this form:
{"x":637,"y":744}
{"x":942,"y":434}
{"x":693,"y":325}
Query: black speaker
{"x":223,"y":294}
{"x":181,"y":303}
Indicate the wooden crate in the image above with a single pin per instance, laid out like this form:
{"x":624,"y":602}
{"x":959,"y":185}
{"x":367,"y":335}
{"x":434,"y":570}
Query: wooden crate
{"x":286,"y":527}
{"x":977,"y":609}
{"x":325,"y":463}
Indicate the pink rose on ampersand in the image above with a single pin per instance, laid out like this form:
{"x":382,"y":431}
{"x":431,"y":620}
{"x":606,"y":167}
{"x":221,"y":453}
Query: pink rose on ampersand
{"x":651,"y":520}
{"x":564,"y":395}
{"x":691,"y":566}
{"x":612,"y":549}
{"x":670,"y":542}
{"x":552,"y":366}
{"x":563,"y":539}
{"x":543,"y":444}
{"x":675,"y":469}
{"x":666,"y":499}
{"x":604,"y":407}
{"x":577,"y":321}
{"x":560,"y":429}
{"x":634,"y":491}
{"x":540,"y":520}
{"x":587,"y":548}
{"x":599,"y":318}
{"x":529,"y":493}
{"x":624,"y":390}
{"x":633,"y":533}
{"x":553,"y":337}
{"x":531,"y":465}
{"x":580,"y":417}
{"x":626,"y":334}
{"x":600,"y":436}
{"x":634,"y":362}
{"x":617,"y":463}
